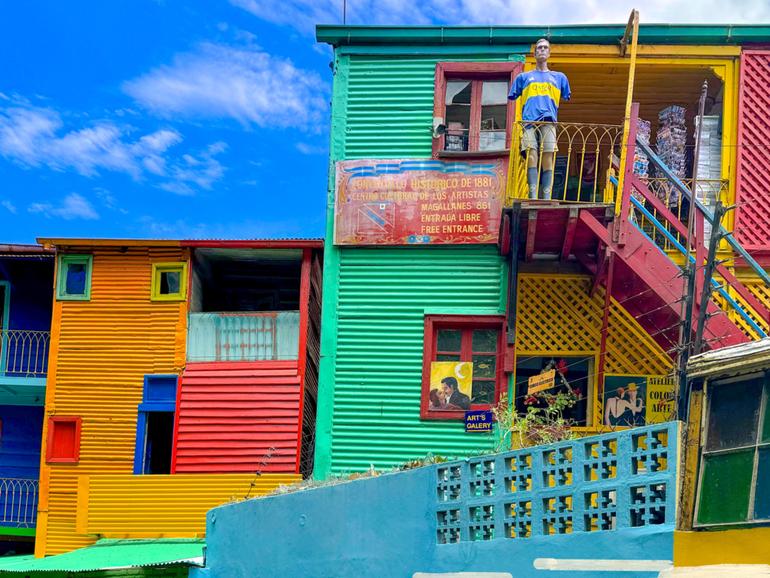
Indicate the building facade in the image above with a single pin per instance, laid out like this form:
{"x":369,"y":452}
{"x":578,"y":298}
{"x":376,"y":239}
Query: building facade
{"x":183,"y":376}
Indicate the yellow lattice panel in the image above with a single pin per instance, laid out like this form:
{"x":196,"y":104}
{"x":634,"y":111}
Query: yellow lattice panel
{"x":556,"y":315}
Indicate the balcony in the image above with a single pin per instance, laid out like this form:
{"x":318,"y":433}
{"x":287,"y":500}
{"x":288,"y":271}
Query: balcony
{"x":243,"y":336}
{"x":24,"y":353}
{"x":18,"y":506}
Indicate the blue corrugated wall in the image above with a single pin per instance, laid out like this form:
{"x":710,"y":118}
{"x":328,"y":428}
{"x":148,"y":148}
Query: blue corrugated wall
{"x":20,"y":437}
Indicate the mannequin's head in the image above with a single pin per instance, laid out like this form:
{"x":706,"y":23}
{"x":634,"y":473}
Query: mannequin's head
{"x":542,"y":51}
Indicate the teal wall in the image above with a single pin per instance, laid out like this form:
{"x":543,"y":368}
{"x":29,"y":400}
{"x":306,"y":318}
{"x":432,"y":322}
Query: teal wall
{"x":375,"y":299}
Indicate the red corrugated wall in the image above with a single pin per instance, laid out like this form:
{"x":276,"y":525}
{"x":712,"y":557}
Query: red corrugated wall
{"x":238,"y":417}
{"x":753,"y":182}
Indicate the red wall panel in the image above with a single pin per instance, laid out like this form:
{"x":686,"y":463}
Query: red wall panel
{"x":230,"y":415}
{"x":753,"y":179}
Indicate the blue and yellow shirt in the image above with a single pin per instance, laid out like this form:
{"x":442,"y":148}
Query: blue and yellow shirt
{"x":541,"y":92}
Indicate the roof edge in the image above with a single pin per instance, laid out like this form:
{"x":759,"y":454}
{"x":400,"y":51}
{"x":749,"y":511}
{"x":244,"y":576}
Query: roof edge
{"x":340,"y":35}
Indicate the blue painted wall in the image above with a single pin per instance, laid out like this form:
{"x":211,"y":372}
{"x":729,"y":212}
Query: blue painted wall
{"x":387,"y":526}
{"x":22,"y":430}
{"x":31,"y":291}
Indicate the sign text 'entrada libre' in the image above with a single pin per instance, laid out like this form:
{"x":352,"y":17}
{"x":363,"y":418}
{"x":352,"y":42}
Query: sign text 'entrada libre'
{"x":406,"y":202}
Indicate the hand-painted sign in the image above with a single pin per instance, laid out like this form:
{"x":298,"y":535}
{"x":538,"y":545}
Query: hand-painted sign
{"x":451,"y":384}
{"x":541,"y":382}
{"x":633,"y":400}
{"x":407,"y":202}
{"x":478,"y":421}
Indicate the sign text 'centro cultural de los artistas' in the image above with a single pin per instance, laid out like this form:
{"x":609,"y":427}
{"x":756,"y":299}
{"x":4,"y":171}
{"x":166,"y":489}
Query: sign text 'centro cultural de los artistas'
{"x":406,"y":202}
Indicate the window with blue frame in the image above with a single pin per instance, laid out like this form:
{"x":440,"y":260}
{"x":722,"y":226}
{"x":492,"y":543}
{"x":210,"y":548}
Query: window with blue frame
{"x":155,"y":425}
{"x":73,"y":281}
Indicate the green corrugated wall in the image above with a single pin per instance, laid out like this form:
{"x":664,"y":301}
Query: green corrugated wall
{"x":375,"y":299}
{"x":390,"y":104}
{"x":384,"y":294}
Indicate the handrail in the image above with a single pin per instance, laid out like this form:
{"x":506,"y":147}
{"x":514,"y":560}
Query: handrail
{"x":24,"y":352}
{"x":18,"y":501}
{"x":721,"y":290}
{"x":708,"y":215}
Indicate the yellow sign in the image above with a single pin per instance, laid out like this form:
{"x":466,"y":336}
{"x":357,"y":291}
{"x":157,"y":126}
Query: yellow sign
{"x":541,"y":382}
{"x":451,"y":385}
{"x":661,"y":399}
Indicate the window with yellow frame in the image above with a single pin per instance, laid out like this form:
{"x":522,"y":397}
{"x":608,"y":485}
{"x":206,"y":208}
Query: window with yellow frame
{"x":169,"y":281}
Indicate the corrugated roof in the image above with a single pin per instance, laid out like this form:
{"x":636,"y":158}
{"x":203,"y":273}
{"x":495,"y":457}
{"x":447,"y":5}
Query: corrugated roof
{"x":339,"y":35}
{"x":22,"y":250}
{"x":742,"y":358}
{"x":112,"y":555}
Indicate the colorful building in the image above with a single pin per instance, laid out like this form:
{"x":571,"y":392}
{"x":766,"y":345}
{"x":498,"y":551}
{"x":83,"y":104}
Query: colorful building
{"x":436,"y":259}
{"x":26,"y":274}
{"x":183,"y":375}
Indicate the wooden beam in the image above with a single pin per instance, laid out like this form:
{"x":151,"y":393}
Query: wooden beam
{"x":569,"y":234}
{"x":604,"y":331}
{"x":601,"y":269}
{"x":531,"y":231}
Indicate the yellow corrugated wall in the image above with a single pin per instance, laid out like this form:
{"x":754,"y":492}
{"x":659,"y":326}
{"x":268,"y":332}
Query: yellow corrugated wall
{"x":101,"y":350}
{"x":127,"y":506}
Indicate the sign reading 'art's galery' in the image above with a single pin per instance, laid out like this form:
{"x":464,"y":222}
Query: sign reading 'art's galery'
{"x":407,"y":202}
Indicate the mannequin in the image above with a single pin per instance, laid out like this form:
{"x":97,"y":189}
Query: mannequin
{"x":541,"y":90}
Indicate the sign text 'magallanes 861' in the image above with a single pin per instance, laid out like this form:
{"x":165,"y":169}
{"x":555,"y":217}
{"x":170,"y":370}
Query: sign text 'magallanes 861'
{"x":406,"y":202}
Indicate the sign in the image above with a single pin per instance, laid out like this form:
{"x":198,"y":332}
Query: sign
{"x":451,"y":385}
{"x":418,"y":202}
{"x":478,"y":421}
{"x":541,"y":382}
{"x":634,"y":400}
{"x":661,"y":399}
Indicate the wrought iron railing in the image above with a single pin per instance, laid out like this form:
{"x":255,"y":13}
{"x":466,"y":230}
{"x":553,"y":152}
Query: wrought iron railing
{"x":18,"y":502}
{"x":582,"y":163}
{"x":24,"y":353}
{"x":246,"y":336}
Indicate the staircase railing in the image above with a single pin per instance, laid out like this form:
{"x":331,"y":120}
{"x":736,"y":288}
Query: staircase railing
{"x":654,"y":217}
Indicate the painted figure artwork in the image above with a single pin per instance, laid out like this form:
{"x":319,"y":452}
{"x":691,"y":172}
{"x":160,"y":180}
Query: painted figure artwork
{"x":624,"y":398}
{"x":450,"y":385}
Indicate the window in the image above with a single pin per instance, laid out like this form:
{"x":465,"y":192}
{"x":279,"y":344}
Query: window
{"x":471,"y":102}
{"x":734,"y":485}
{"x":74,"y":278}
{"x":578,"y":372}
{"x":169,"y":281}
{"x":155,"y":424}
{"x":462,"y":365}
{"x":63,"y":441}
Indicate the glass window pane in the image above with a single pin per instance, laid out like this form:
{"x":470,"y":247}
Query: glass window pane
{"x":446,"y":357}
{"x":485,"y":340}
{"x":449,"y":339}
{"x":75,"y":283}
{"x":733,"y":414}
{"x":762,"y":489}
{"x":458,"y":114}
{"x":724,"y":493}
{"x":483,"y":391}
{"x":169,"y":282}
{"x":494,"y":113}
{"x":484,"y":366}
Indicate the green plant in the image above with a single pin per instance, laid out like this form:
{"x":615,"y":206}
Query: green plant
{"x":542,"y":422}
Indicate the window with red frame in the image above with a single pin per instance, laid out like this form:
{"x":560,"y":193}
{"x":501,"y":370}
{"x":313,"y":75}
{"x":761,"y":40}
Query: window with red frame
{"x":474,"y":340}
{"x":472,"y":101}
{"x":63,"y":443}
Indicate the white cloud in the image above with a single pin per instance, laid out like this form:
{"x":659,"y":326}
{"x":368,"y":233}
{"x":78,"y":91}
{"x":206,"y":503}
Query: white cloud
{"x":73,"y":206}
{"x":149,"y":226}
{"x":9,"y":206}
{"x":34,"y":136}
{"x":310,"y":149}
{"x":304,"y":14}
{"x":245,"y":84}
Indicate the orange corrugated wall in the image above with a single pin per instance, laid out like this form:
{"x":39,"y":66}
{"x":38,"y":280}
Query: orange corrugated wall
{"x":101,"y":350}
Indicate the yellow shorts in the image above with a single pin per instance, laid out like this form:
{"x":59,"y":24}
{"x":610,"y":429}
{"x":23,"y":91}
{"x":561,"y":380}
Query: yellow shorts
{"x":540,"y":136}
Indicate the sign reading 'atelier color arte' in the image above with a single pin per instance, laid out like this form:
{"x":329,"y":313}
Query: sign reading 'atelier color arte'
{"x":407,"y":202}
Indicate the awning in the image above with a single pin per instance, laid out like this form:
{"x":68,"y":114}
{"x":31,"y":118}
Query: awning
{"x":112,"y":555}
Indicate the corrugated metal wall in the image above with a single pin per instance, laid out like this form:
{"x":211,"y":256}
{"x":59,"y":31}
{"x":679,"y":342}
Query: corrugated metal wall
{"x":390,"y":104}
{"x":384,"y":294}
{"x":753,"y":180}
{"x":238,"y":417}
{"x":119,"y":506}
{"x":101,"y":350}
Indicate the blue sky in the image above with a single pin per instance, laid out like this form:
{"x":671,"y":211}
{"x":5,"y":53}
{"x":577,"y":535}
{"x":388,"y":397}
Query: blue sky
{"x":207,"y":119}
